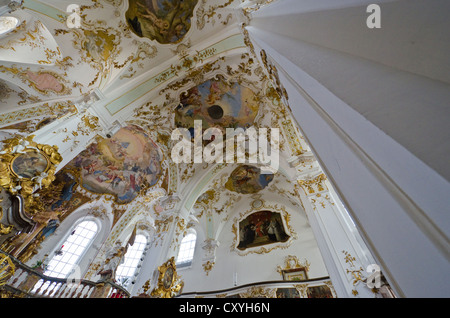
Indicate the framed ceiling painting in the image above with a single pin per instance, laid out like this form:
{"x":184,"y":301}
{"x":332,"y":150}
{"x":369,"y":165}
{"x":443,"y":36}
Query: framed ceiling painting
{"x":26,"y":166}
{"x":29,"y":164}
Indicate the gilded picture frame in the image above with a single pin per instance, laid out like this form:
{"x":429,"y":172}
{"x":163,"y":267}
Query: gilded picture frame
{"x":29,"y":164}
{"x":26,"y":167}
{"x":284,"y":220}
{"x":295,"y":274}
{"x":169,"y":283}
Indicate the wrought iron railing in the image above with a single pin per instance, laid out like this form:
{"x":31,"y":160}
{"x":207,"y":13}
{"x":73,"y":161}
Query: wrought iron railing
{"x":20,"y":280}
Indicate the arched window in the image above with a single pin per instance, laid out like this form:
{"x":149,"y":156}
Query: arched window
{"x":127,"y":269}
{"x":69,"y":254}
{"x":187,"y":248}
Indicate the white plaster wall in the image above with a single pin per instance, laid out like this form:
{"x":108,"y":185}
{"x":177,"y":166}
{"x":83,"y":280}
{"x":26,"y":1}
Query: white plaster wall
{"x":378,"y":126}
{"x":397,"y":76}
{"x":232,"y":269}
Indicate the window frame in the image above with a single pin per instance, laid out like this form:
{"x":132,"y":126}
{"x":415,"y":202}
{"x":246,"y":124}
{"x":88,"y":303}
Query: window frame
{"x":66,"y":237}
{"x":187,"y":264}
{"x":138,"y":265}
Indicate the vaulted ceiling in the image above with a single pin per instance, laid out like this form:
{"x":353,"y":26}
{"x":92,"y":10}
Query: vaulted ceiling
{"x":150,"y":69}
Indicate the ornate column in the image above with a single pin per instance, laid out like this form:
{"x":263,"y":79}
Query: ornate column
{"x":382,"y":147}
{"x":345,"y":255}
{"x":169,"y":231}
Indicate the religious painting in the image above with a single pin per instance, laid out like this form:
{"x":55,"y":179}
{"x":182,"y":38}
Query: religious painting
{"x":261,"y":228}
{"x":247,"y":179}
{"x":322,"y":291}
{"x":64,"y":198}
{"x":29,"y":164}
{"x":169,"y":282}
{"x":217,"y":103}
{"x":166,"y":21}
{"x":287,"y":293}
{"x":295,"y":274}
{"x":121,"y":165}
{"x":168,"y":278}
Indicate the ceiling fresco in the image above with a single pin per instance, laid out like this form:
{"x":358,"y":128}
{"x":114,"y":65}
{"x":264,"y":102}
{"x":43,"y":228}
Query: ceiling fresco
{"x":247,"y":179}
{"x":217,"y":103}
{"x":155,"y":67}
{"x":121,"y":165}
{"x":166,"y":21}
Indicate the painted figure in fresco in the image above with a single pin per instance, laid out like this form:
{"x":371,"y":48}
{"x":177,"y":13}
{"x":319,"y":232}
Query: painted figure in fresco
{"x":166,"y":21}
{"x":248,"y":179}
{"x":260,"y":228}
{"x":29,"y":165}
{"x":275,"y":231}
{"x":121,"y":165}
{"x":248,"y":236}
{"x":219,"y":104}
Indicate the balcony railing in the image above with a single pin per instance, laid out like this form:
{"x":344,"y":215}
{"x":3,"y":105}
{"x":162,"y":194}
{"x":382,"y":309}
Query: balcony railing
{"x":20,"y":280}
{"x":312,"y":288}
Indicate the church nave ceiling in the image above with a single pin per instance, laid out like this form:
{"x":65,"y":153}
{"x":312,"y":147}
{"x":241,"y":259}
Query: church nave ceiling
{"x":152,"y":88}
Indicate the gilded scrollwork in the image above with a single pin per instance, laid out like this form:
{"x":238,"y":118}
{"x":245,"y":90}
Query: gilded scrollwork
{"x":169,"y":282}
{"x":7,"y":268}
{"x":314,"y":184}
{"x":259,"y":292}
{"x":206,"y":15}
{"x":208,"y":266}
{"x":26,"y":166}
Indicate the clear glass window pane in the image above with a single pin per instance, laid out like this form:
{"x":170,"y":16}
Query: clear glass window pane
{"x":61,"y":265}
{"x":187,"y":248}
{"x":127,"y":269}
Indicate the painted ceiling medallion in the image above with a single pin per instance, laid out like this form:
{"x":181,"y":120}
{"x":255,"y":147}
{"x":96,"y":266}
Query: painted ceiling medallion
{"x":217,"y":103}
{"x":122,"y":165}
{"x":166,"y":21}
{"x":247,"y":179}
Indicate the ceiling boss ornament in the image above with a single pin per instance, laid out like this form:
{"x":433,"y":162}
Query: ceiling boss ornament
{"x":26,"y":166}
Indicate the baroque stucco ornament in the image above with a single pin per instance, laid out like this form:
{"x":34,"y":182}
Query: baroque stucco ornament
{"x":26,"y":166}
{"x":169,"y":283}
